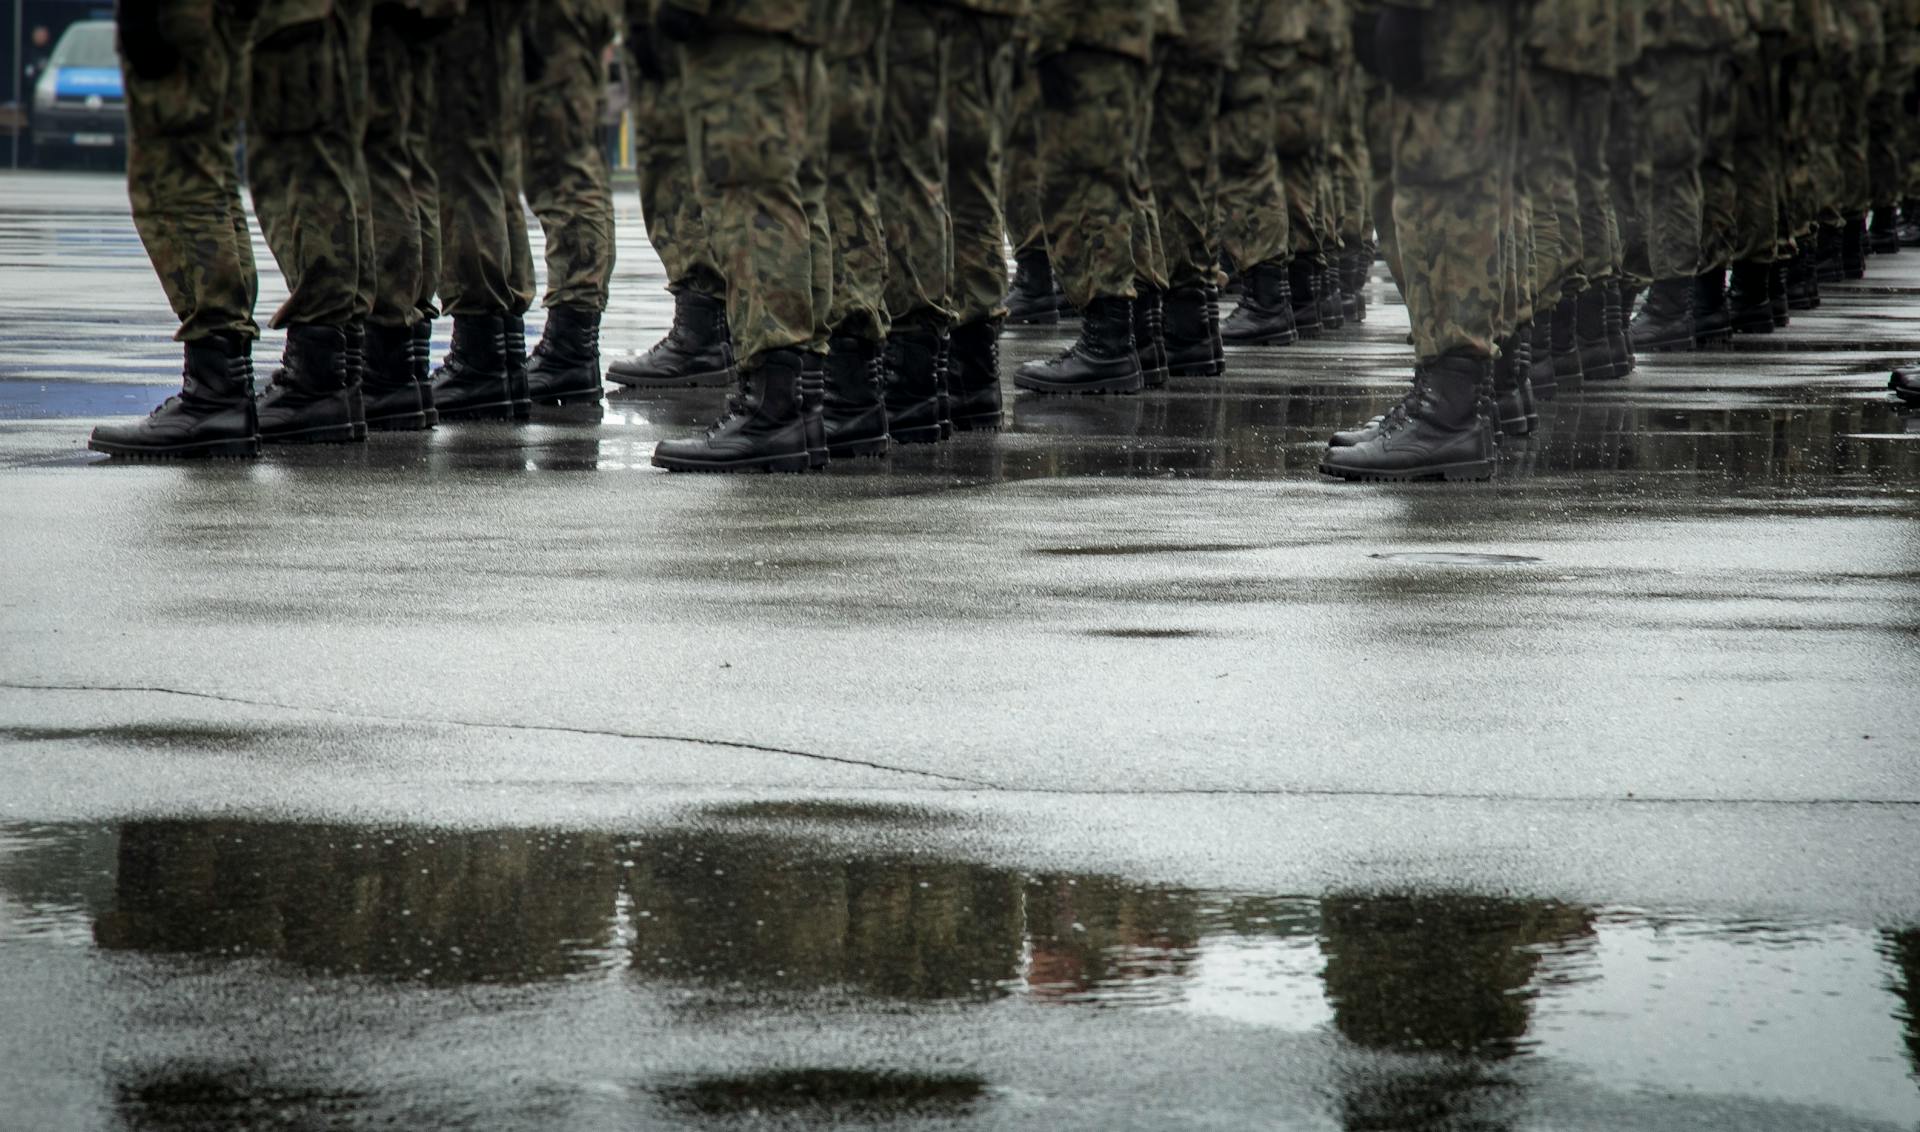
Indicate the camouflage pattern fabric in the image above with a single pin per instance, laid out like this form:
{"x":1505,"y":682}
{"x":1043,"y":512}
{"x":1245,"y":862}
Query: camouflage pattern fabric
{"x":913,"y":166}
{"x":301,"y":142}
{"x":1348,"y":161}
{"x":418,"y":140}
{"x":1182,"y":151}
{"x":480,"y":85}
{"x":1302,"y":105}
{"x":818,"y":101}
{"x":1149,"y":256}
{"x":399,"y":261}
{"x":1593,"y":178}
{"x":855,"y":65}
{"x":1253,"y":200}
{"x":1550,"y":175}
{"x":565,"y":171}
{"x":1452,"y":180}
{"x":1720,"y":186}
{"x":1086,"y":198}
{"x":357,"y":15}
{"x":1026,"y":227}
{"x":664,"y":168}
{"x":979,"y":104}
{"x":1671,"y":87}
{"x":747,"y":98}
{"x":1758,"y":165}
{"x":182,"y":132}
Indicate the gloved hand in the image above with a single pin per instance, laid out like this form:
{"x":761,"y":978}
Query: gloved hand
{"x":1059,"y":90}
{"x":148,"y":53}
{"x":1399,"y":46}
{"x":681,"y":25}
{"x":647,"y":61}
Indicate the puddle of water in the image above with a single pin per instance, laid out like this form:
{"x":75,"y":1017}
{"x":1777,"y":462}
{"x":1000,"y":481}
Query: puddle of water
{"x":1412,"y":1000}
{"x":1455,"y":558}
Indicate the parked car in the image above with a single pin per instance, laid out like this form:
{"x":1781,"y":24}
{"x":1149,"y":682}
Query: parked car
{"x":80,"y":103}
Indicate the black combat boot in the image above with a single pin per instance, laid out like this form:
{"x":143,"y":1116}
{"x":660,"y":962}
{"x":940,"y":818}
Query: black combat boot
{"x":565,"y":367}
{"x":1564,"y":340}
{"x":471,"y":381}
{"x":1829,"y":265}
{"x":1306,"y":300}
{"x":695,"y":351}
{"x":212,"y":415}
{"x":513,"y":349}
{"x":1777,"y":294}
{"x":1149,"y":335}
{"x":1354,"y":262}
{"x":1712,"y":318}
{"x":1905,"y":384}
{"x":1265,"y":314}
{"x":1333,"y":310}
{"x":1665,"y":322}
{"x":1540,"y":357}
{"x":1749,"y":305}
{"x":356,"y":358}
{"x":1908,"y":229}
{"x":813,"y":407}
{"x":915,"y":386}
{"x":1853,"y":247}
{"x":1883,"y":238}
{"x":1590,"y":332}
{"x":1620,"y":297}
{"x":855,"y":411}
{"x":765,"y":429}
{"x":973,"y":378}
{"x":422,"y":355}
{"x":389,"y":395}
{"x":1394,"y":416}
{"x":308,"y":400}
{"x":1034,"y":297}
{"x":1104,"y":360}
{"x":1513,"y":385}
{"x":1219,"y":343}
{"x":1803,"y":284}
{"x":1443,"y":433}
{"x":1189,"y":338}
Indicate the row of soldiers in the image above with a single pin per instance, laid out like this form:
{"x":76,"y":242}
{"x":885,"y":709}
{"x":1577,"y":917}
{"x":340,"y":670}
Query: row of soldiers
{"x":831,"y":186}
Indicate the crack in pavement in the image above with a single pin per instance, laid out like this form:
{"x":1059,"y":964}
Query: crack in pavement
{"x":843,"y":760}
{"x":562,"y":729}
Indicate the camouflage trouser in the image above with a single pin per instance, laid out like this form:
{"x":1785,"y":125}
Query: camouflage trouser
{"x":1850,"y":139}
{"x":664,"y":170}
{"x":1453,"y":181}
{"x":750,"y":121}
{"x":1599,"y":228}
{"x":1550,"y":176}
{"x":358,"y":15}
{"x":1026,"y":227}
{"x":1671,"y":86}
{"x":1630,"y":169}
{"x":1348,"y":160}
{"x":1378,"y":119}
{"x":301,"y":158}
{"x":1301,"y":120}
{"x":1086,"y":197}
{"x":859,"y":306}
{"x":182,"y":132}
{"x":818,"y":101}
{"x":1182,"y":159}
{"x":1253,"y":199}
{"x":1819,"y":183}
{"x":913,"y":166}
{"x":565,"y":171}
{"x":979,"y":103}
{"x":1720,"y":188}
{"x":480,"y":86}
{"x":1149,"y":257}
{"x":1893,"y":119}
{"x":1758,"y":166}
{"x":418,"y":141}
{"x":400,"y":258}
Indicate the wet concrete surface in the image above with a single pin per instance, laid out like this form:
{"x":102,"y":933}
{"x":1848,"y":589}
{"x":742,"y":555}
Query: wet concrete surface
{"x":1114,"y":771}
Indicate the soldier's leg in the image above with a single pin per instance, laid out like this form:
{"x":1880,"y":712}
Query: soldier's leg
{"x":476,"y":96}
{"x":1149,"y":255}
{"x":301,"y":161}
{"x":818,"y":102}
{"x":1599,"y":227}
{"x":569,"y":188}
{"x":1452,"y":171}
{"x":187,"y":210}
{"x":1181,"y":152}
{"x":391,"y":393}
{"x":1719,"y":204}
{"x":1095,"y":116}
{"x":914,"y":208}
{"x":1300,"y":130}
{"x":1756,"y":145}
{"x":855,"y":417}
{"x":1254,"y":231}
{"x":422,"y":56}
{"x":1033,"y":296}
{"x":979,"y":104}
{"x":1675,"y":92}
{"x":747,"y":99}
{"x":1351,"y":171}
{"x":513,"y":147}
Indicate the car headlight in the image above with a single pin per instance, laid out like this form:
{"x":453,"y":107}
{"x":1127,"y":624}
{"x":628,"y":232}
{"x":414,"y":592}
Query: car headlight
{"x":43,"y":90}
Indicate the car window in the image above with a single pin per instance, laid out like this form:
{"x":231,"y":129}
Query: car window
{"x":88,"y":44}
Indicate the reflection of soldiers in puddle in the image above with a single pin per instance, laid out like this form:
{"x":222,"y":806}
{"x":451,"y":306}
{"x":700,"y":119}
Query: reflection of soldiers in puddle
{"x":737,"y":912}
{"x":1903,"y":948}
{"x":1089,"y":934}
{"x":1449,"y":980}
{"x":435,"y":906}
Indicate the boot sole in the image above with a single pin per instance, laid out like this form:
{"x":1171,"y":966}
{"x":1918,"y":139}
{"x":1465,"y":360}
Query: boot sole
{"x":571,"y":397}
{"x":685,"y":381}
{"x":981,"y":423}
{"x":497,"y":411}
{"x":1120,"y":385}
{"x":920,"y":434}
{"x":320,"y":434}
{"x":1197,"y":369}
{"x":1287,"y":338}
{"x":873,"y":448}
{"x":799,"y":462}
{"x":1153,"y":378}
{"x":1472,"y":470}
{"x":400,"y":422}
{"x":214,"y":450}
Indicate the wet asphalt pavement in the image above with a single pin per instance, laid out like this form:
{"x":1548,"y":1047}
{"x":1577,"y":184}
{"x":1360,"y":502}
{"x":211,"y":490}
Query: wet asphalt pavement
{"x":1117,"y":771}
